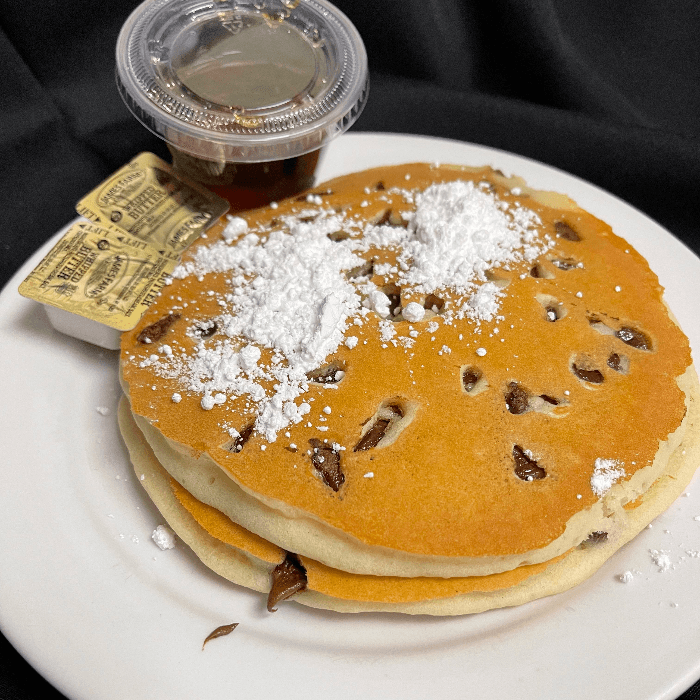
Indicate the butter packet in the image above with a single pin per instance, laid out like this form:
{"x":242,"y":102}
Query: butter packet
{"x":100,"y":273}
{"x":147,"y":200}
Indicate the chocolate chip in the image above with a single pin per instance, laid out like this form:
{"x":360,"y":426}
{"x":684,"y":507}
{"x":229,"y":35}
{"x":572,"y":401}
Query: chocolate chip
{"x":396,"y":409}
{"x":434,"y":303}
{"x":328,"y":374}
{"x":595,"y":538}
{"x":526,"y":468}
{"x":384,"y":219}
{"x":634,"y":338}
{"x":393,"y":292}
{"x":288,"y":579}
{"x":206,"y":330}
{"x":373,"y":436}
{"x":326,"y":462}
{"x":565,"y":264}
{"x":565,"y":231}
{"x":549,"y":399}
{"x":380,"y":186}
{"x":237,"y":444}
{"x":517,"y":398}
{"x":154,"y":332}
{"x":552,"y":313}
{"x":593,"y":376}
{"x":337,"y":236}
{"x":614,"y":362}
{"x":470,"y":377}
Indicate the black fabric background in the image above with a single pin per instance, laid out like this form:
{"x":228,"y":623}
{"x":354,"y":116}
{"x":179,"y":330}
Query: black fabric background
{"x":609,"y":91}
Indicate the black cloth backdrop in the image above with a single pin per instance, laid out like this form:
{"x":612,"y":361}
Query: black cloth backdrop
{"x":609,"y":91}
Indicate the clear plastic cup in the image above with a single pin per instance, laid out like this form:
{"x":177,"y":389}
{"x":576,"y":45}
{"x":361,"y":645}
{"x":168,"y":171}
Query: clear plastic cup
{"x":244,"y":92}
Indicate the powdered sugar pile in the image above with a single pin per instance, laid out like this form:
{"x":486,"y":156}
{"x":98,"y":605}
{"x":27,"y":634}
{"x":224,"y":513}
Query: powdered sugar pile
{"x":164,"y":537}
{"x":290,"y":291}
{"x":605,"y":474}
{"x":661,"y":559}
{"x":459,"y":231}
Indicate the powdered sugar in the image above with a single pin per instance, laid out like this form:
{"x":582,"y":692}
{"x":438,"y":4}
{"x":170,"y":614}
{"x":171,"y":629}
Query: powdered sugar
{"x":413,"y":312}
{"x":605,"y":474}
{"x":459,"y":231}
{"x":164,"y":537}
{"x":660,"y":559}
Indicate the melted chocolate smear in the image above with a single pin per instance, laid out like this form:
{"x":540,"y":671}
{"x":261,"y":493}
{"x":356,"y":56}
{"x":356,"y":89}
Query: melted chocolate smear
{"x":220,"y":632}
{"x":593,"y":376}
{"x":206,"y":330}
{"x":565,"y":231}
{"x":154,"y":332}
{"x":326,"y":462}
{"x":634,"y":338}
{"x":325,"y":375}
{"x":549,"y":399}
{"x":433,"y":302}
{"x":525,"y":468}
{"x":470,"y":377}
{"x":373,"y":436}
{"x":288,"y":578}
{"x":614,"y":362}
{"x":517,"y":399}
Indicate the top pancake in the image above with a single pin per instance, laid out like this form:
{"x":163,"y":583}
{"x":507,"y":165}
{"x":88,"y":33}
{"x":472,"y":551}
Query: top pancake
{"x":444,"y":483}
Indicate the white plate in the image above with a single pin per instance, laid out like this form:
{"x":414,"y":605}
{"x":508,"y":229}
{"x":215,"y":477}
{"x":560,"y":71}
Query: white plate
{"x":103,"y":614}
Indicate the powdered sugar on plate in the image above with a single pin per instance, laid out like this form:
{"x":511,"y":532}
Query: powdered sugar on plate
{"x":292,"y":291}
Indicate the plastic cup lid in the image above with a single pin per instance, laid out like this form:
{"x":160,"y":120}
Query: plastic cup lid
{"x":242,"y":80}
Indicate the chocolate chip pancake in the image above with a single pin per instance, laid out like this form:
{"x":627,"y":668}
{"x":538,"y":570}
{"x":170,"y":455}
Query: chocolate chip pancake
{"x":415,"y":371}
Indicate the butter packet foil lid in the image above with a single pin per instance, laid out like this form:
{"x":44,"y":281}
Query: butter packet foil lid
{"x":100,"y":273}
{"x":242,"y":80}
{"x":147,"y":200}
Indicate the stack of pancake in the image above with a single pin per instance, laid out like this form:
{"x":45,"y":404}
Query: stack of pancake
{"x":430,"y":434}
